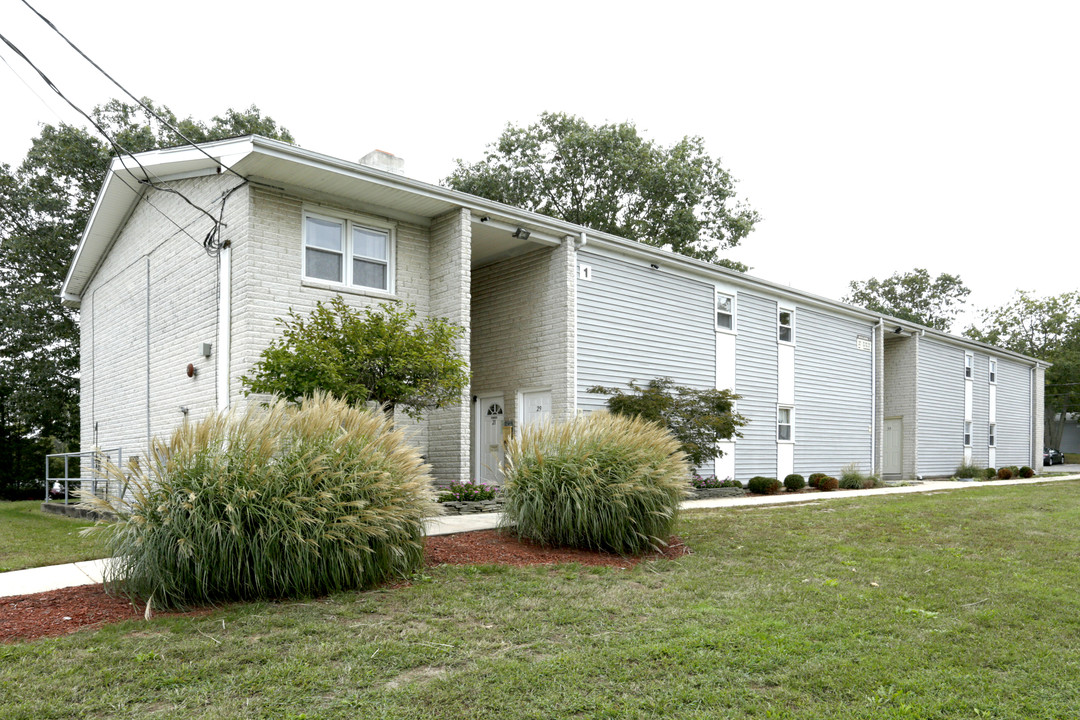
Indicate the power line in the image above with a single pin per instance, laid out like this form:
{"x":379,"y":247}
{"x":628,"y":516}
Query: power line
{"x":160,"y":119}
{"x":117,"y":148}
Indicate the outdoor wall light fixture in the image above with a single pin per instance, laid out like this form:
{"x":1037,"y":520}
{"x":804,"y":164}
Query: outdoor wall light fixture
{"x":522,"y":233}
{"x":191,"y":371}
{"x":184,"y":409}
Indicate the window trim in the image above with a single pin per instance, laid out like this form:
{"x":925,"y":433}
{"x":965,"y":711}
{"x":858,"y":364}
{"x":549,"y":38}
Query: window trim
{"x":349,"y":221}
{"x":967,"y":433}
{"x":716,"y":311}
{"x":969,"y":365}
{"x":790,"y":424}
{"x":993,"y":371}
{"x":791,"y":310}
{"x":992,"y":439}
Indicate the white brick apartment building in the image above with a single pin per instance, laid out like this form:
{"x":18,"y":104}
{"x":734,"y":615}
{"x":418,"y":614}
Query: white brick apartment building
{"x":550,"y":310}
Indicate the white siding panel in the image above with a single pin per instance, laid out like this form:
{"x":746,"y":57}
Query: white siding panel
{"x":833,"y":394}
{"x":941,"y":407}
{"x":756,"y":381}
{"x":637,"y":323}
{"x":1013,"y":413}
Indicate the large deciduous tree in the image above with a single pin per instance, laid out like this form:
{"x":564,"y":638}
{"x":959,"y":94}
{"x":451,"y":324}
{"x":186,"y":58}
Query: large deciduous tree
{"x":44,"y":205}
{"x":382,"y":355}
{"x":913,"y":296}
{"x":609,"y":178}
{"x":1046,"y":328}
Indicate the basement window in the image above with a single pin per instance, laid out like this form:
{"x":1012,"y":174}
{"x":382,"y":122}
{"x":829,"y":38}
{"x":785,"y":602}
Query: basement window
{"x":345,"y":251}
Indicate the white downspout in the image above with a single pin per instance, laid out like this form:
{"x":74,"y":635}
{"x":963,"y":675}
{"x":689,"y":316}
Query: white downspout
{"x":224,"y":329}
{"x":873,"y":391}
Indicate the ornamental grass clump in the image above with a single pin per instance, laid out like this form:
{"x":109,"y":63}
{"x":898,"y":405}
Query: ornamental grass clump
{"x":601,"y":482}
{"x":281,"y":501}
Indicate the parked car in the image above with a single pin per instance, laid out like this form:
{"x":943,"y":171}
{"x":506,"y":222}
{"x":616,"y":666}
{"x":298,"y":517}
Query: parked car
{"x":1053,"y":457}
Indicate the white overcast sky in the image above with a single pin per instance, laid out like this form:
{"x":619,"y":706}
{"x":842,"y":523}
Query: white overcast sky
{"x":872,"y":137}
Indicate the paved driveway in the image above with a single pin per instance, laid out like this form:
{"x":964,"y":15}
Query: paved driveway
{"x":1074,"y":468}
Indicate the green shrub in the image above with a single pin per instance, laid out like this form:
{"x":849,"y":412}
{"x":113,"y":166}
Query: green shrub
{"x":1026,"y":472}
{"x":816,"y":478}
{"x":1015,"y":470}
{"x":969,"y":470}
{"x":794,"y":482}
{"x":989,"y":473}
{"x":852,"y":479}
{"x":281,"y":501}
{"x":763,"y":485}
{"x":828,"y":483}
{"x":603,"y":481}
{"x":1005,"y":473}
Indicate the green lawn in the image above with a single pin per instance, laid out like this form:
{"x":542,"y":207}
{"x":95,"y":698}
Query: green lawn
{"x":949,"y":605}
{"x":31,"y":538}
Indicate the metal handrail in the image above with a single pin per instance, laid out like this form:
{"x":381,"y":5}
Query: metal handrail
{"x":98,"y":458}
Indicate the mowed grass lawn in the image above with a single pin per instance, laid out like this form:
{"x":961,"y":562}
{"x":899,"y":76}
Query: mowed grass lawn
{"x":31,"y":538}
{"x":963,"y":604}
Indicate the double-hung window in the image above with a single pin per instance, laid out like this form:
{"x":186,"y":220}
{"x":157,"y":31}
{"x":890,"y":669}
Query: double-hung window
{"x":993,"y":435}
{"x":969,"y":362}
{"x":725,"y":312}
{"x":341,"y":250}
{"x":993,"y":370}
{"x":967,"y":433}
{"x":785,"y":325}
{"x":783,"y":423}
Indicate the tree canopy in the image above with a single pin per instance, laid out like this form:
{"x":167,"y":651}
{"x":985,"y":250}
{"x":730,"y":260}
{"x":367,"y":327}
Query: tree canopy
{"x":609,"y":178}
{"x":913,"y":296}
{"x":1049,"y":329}
{"x":44,"y":205}
{"x":383,"y":355}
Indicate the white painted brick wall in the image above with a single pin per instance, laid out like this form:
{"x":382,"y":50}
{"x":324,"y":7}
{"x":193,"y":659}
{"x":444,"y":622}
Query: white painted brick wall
{"x":179,"y":313}
{"x":523,"y":328}
{"x":267,"y":282}
{"x":449,"y":260}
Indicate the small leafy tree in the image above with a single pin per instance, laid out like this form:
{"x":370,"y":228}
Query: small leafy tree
{"x":382,"y":354}
{"x":699,"y":419}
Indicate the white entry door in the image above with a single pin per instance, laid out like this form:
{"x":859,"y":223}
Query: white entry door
{"x":535,"y":407}
{"x":489,"y":447}
{"x":894,"y":446}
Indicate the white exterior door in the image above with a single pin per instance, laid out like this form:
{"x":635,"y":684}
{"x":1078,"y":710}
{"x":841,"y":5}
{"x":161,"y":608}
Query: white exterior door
{"x":489,"y":447}
{"x":535,"y":407}
{"x":894,"y":446}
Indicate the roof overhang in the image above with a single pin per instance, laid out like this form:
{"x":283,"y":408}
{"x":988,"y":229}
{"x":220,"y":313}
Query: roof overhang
{"x":291,"y":168}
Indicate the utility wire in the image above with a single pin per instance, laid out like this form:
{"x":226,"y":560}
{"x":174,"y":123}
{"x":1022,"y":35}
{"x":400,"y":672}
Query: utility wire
{"x":120,"y":151}
{"x":160,"y":119}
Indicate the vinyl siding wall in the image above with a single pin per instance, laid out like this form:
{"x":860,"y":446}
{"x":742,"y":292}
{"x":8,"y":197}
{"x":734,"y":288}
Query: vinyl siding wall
{"x":756,"y":381}
{"x":833,"y":394}
{"x":1013,"y":414}
{"x":637,"y":323}
{"x":941,"y":407}
{"x":980,"y":411}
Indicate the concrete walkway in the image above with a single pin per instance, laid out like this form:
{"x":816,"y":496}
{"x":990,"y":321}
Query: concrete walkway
{"x":54,"y":577}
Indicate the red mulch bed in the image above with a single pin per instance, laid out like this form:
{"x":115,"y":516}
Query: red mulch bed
{"x":58,"y":612}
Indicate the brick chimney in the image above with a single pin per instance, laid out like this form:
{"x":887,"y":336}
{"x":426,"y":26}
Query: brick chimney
{"x":382,"y":160}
